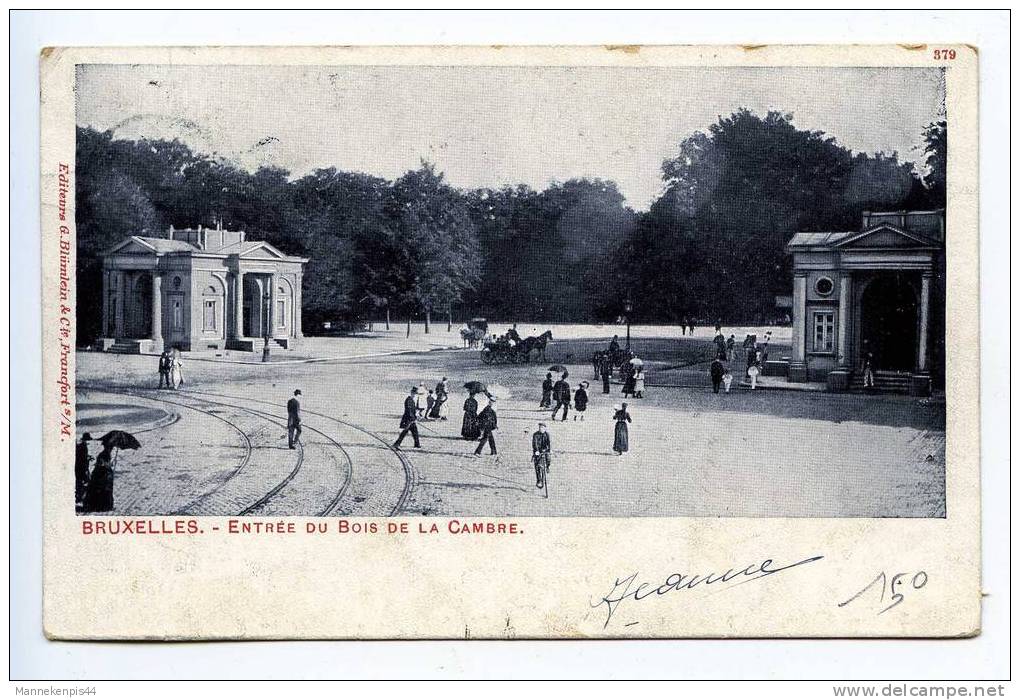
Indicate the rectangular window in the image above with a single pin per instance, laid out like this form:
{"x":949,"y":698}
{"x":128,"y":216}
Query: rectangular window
{"x":281,"y":316}
{"x":209,"y":322}
{"x":825,"y":322}
{"x":178,"y":315}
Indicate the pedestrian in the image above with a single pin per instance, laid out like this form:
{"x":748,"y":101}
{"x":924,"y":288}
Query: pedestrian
{"x":99,"y":492}
{"x":408,"y":421}
{"x":727,"y":379}
{"x":720,"y":343}
{"x":561,"y":392}
{"x":294,"y":419}
{"x":421,"y":403}
{"x":442,"y":396}
{"x":176,"y":369}
{"x":469,"y":428}
{"x":430,"y":404}
{"x":717,"y":371}
{"x":81,"y":468}
{"x":639,"y":383}
{"x":869,"y":374}
{"x":683,"y":327}
{"x":596,"y":362}
{"x":690,"y":327}
{"x":547,"y":389}
{"x":753,"y":373}
{"x":164,"y":369}
{"x":541,"y":449}
{"x":621,"y":439}
{"x":628,"y":380}
{"x":581,"y":400}
{"x":752,"y":357}
{"x":731,"y":343}
{"x":606,"y":371}
{"x":487,"y":423}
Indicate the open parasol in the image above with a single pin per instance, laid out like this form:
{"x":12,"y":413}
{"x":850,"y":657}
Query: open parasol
{"x":121,"y":440}
{"x":476,"y":387}
{"x":557,"y":368}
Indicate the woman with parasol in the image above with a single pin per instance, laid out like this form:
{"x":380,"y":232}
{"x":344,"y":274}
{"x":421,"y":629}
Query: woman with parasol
{"x":99,"y":491}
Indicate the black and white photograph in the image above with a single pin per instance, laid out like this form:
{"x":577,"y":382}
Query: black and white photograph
{"x":416,"y":344}
{"x":510,"y":291}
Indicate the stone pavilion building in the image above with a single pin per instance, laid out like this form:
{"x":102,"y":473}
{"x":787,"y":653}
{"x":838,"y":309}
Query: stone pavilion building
{"x":198,"y":289}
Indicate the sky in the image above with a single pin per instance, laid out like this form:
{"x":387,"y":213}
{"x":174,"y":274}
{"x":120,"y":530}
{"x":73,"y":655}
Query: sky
{"x":494,"y":126}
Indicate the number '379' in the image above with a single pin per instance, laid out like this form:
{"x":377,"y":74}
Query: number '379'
{"x":944,"y":54}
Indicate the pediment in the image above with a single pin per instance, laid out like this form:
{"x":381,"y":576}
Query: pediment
{"x":886,"y":236}
{"x":131,"y":246}
{"x":263,"y":250}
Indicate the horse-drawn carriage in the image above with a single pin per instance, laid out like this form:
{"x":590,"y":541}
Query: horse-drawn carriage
{"x":506,"y":349}
{"x":474,"y":332}
{"x":502,"y":351}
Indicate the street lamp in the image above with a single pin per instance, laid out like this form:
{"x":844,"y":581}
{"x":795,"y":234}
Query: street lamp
{"x":628,"y":307}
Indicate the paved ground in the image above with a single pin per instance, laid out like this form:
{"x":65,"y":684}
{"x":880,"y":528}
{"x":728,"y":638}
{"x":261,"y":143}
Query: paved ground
{"x":694,"y":453}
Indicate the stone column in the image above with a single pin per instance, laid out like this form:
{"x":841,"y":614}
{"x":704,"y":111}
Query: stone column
{"x":922,"y":332}
{"x":118,"y":316}
{"x":157,"y":311}
{"x":238,"y":278}
{"x":297,"y":307}
{"x":271,"y":314}
{"x":798,"y":367}
{"x":843,"y":335}
{"x":106,"y":304}
{"x":920,"y":381}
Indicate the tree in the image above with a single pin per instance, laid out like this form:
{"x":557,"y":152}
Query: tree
{"x":427,"y":254}
{"x":741,"y":190}
{"x":936,"y":150}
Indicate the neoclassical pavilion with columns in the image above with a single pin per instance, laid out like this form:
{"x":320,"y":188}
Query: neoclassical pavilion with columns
{"x":878,"y":295}
{"x":198,"y":289}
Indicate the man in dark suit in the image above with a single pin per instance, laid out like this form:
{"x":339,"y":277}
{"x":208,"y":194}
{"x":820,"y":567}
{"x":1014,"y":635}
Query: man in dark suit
{"x":561,"y":392}
{"x":409,"y":421}
{"x":487,"y":423}
{"x":294,"y":419}
{"x":165,"y":362}
{"x":541,"y":446}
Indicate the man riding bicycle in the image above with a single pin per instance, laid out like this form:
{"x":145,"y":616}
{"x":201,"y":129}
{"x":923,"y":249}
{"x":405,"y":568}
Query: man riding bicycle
{"x":541,"y":446}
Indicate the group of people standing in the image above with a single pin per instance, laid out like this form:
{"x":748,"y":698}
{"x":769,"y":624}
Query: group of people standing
{"x":93,"y":486}
{"x":170,"y":369}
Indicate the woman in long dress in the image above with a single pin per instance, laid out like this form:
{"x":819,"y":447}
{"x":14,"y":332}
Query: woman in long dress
{"x":176,"y":374}
{"x":99,"y":492}
{"x":469,"y":429}
{"x":621,"y":439}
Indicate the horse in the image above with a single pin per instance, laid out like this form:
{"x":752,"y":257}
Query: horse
{"x":532,"y":343}
{"x":472,"y":337}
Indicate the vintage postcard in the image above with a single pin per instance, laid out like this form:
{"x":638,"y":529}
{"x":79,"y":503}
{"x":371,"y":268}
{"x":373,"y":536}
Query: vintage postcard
{"x":507,"y":342}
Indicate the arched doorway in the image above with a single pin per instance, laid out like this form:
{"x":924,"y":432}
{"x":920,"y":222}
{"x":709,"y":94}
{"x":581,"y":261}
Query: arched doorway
{"x":139,"y":310}
{"x":889,"y":323}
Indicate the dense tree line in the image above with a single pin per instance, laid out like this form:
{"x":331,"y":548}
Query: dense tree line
{"x":710,"y":246}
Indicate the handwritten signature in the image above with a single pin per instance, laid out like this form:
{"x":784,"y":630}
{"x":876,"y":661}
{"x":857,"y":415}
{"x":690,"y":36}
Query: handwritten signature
{"x":628,"y":588}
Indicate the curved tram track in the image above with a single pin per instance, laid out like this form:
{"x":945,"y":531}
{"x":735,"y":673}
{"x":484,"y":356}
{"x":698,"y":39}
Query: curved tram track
{"x":213,"y":409}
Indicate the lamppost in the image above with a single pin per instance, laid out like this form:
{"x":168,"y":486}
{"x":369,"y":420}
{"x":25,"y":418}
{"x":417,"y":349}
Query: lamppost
{"x":628,"y":307}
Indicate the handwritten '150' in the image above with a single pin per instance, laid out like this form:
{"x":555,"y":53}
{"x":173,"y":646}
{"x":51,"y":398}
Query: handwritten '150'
{"x":895,"y":587}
